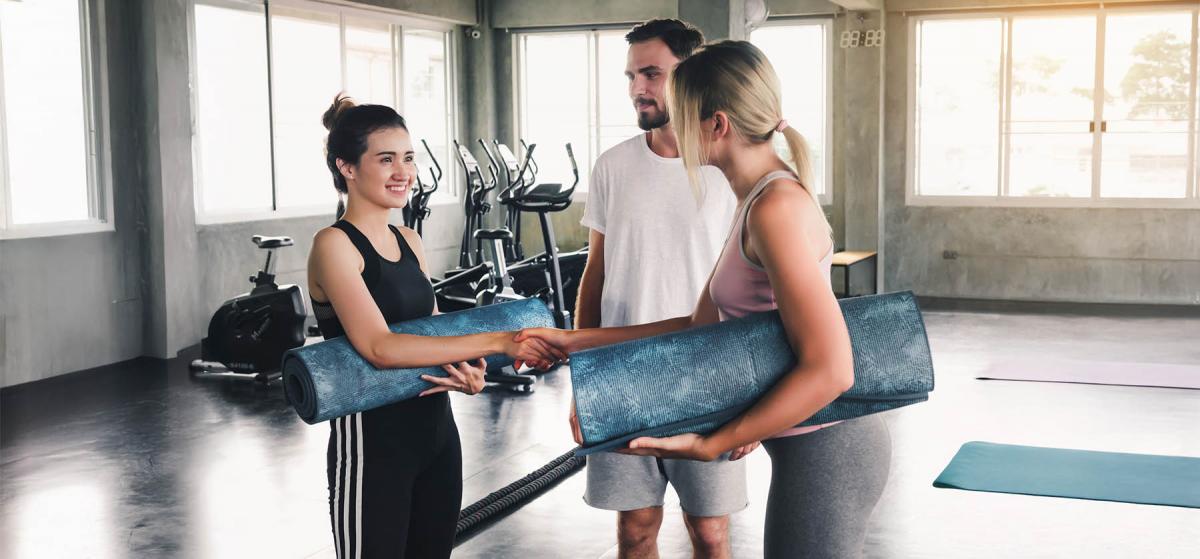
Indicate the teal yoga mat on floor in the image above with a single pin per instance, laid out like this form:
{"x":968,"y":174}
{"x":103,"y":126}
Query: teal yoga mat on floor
{"x":1147,"y":479}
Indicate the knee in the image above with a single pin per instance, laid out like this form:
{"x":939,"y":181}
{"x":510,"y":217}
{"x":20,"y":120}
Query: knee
{"x":710,"y":534}
{"x":638,"y":528}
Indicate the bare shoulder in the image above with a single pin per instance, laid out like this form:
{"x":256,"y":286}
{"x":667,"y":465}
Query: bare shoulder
{"x":783,"y":200}
{"x":330,"y":239}
{"x":332,"y":246}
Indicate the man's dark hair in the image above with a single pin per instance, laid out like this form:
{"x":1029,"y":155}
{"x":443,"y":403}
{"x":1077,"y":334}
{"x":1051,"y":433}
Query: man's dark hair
{"x":682,"y":38}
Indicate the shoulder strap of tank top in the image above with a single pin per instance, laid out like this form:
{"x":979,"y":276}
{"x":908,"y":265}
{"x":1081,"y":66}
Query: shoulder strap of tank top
{"x":369,"y":255}
{"x":758,"y":188}
{"x":406,"y":251}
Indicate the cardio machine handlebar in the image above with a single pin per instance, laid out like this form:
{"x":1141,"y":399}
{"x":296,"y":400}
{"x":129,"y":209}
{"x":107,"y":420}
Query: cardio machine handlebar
{"x":546,"y":196}
{"x":435,"y":172}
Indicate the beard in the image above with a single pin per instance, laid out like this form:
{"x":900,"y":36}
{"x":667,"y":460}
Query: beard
{"x":649,"y":121}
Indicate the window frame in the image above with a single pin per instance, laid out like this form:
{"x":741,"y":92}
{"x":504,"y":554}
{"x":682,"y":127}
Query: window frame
{"x":399,"y":24}
{"x":520,"y":82}
{"x":826,"y":22}
{"x":1191,"y":199}
{"x":93,"y":56}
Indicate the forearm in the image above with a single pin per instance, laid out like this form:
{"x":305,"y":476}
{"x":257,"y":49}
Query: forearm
{"x":596,"y":337}
{"x":405,"y":351}
{"x":587,"y":303}
{"x":795,"y":398}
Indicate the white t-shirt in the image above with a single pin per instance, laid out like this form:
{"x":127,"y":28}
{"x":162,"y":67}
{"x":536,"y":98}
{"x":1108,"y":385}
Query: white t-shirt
{"x":660,"y":245}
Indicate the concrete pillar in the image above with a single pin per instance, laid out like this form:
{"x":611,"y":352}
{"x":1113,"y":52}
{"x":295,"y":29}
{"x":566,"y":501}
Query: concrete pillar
{"x":717,"y":19}
{"x":861,"y":106}
{"x":170,"y":257}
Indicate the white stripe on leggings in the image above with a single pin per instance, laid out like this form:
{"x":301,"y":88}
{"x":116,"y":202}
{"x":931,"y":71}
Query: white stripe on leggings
{"x":337,"y":489}
{"x":346,"y":484}
{"x":358,"y":499}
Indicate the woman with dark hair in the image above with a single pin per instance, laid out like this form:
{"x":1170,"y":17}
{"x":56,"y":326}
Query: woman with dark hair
{"x":395,"y":472}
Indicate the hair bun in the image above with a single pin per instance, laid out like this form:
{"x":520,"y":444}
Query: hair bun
{"x":341,"y":104}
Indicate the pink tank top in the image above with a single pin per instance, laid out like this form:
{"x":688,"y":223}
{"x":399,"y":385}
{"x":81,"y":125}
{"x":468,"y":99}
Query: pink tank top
{"x":740,"y":287}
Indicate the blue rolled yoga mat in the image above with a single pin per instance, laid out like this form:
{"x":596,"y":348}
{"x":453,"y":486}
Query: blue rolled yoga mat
{"x":330,"y":379}
{"x":1076,"y":474}
{"x":695,"y":380}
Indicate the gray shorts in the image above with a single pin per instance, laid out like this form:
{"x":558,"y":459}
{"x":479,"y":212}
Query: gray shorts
{"x":621,"y":482}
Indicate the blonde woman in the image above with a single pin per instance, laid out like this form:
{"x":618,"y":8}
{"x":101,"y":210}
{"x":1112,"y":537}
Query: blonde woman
{"x":826,"y":479}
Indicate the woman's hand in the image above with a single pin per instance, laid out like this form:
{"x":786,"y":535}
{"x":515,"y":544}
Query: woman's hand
{"x":535,"y":352}
{"x":464,"y":377}
{"x":561,"y":340}
{"x":688,"y":446}
{"x":741,"y":451}
{"x":574,"y":421}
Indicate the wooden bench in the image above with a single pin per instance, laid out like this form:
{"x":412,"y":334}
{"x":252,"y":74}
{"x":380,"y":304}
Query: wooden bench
{"x":848,"y":260}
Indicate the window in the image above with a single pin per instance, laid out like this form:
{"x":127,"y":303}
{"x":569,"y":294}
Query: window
{"x":49,"y":169}
{"x":799,"y":50}
{"x":1075,"y":108}
{"x":427,"y":103}
{"x":233,"y":143}
{"x":572,"y":88}
{"x":259,"y":138}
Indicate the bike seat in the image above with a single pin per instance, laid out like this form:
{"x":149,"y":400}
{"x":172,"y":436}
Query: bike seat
{"x":272,"y":242}
{"x":491,"y":234}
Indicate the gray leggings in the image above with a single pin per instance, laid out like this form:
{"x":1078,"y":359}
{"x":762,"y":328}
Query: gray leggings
{"x":824,"y":486}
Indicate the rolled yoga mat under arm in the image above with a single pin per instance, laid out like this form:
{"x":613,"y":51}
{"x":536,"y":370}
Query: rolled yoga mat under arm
{"x":695,"y":380}
{"x":330,"y":379}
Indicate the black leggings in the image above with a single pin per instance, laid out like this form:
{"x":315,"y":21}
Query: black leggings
{"x":393,"y":503}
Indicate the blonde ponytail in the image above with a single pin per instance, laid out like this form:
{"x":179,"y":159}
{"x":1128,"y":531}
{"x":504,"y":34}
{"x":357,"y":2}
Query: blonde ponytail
{"x":800,"y":162}
{"x":736,"y":78}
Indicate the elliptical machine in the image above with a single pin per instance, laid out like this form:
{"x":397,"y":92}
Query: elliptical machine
{"x":543,"y":272}
{"x":532,"y":273}
{"x":249,"y":334}
{"x":417,"y":209}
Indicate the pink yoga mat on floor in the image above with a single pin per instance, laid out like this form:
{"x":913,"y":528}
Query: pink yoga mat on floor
{"x":1164,"y":375}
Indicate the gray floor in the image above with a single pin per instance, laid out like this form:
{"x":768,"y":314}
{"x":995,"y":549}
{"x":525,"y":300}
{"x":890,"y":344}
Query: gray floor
{"x":141,"y":460}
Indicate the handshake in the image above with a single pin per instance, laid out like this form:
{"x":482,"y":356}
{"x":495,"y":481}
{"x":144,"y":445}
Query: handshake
{"x":540,"y":348}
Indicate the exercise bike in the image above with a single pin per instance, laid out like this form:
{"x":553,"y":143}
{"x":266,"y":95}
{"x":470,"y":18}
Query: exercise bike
{"x":249,"y":334}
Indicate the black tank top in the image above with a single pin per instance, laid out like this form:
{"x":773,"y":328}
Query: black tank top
{"x":400,"y":289}
{"x":402,"y":292}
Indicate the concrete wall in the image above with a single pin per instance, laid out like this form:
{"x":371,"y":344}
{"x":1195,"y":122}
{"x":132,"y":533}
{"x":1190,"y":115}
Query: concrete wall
{"x":801,"y":7}
{"x":456,"y":11}
{"x":1051,"y":254}
{"x":521,"y":14}
{"x":76,"y":301}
